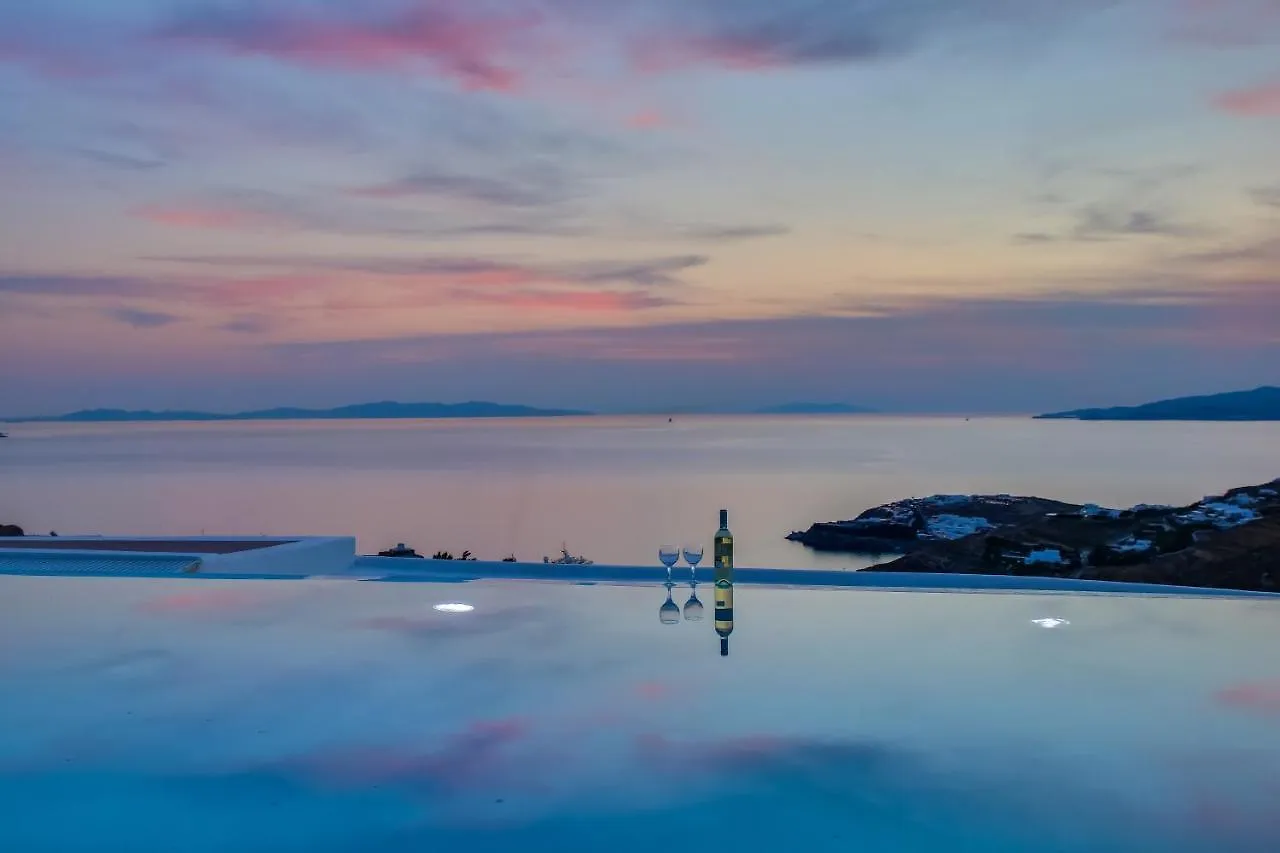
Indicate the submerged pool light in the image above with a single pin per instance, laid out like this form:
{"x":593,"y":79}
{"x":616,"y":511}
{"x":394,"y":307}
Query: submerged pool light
{"x":1050,"y":622}
{"x":453,"y":607}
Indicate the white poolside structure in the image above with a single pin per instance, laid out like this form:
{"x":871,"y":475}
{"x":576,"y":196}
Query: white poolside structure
{"x":335,"y":557}
{"x":206,"y":556}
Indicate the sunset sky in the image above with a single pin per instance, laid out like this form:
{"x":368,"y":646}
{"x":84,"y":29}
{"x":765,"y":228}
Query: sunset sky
{"x":918,"y":205}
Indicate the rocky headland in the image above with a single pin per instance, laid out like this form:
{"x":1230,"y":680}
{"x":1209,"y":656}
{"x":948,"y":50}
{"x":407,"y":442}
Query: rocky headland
{"x":1260,"y":404}
{"x":1230,"y":540}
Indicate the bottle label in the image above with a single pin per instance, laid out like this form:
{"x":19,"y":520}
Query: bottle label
{"x":724,"y":552}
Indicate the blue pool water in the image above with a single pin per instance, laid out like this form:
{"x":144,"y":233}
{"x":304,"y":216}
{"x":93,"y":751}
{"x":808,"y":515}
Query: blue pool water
{"x":189,"y":715}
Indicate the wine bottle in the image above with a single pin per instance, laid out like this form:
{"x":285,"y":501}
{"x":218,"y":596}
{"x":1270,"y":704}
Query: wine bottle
{"x":724,"y":582}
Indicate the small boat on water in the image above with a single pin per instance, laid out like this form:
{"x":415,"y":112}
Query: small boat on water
{"x":567,"y":559}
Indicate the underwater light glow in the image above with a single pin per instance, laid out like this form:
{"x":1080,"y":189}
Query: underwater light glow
{"x":453,"y":607}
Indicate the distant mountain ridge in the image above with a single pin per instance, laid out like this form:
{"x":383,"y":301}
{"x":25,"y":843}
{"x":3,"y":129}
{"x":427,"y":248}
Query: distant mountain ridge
{"x":815,"y":409}
{"x":360,"y":411}
{"x":1260,"y":404}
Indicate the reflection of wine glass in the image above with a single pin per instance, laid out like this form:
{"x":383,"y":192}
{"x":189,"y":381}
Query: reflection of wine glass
{"x":693,"y":556}
{"x":693,"y":607}
{"x":668,"y":554}
{"x":669,"y":612}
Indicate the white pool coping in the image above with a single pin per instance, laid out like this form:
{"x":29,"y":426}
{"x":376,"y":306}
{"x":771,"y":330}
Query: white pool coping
{"x":399,"y":569}
{"x":318,"y":557}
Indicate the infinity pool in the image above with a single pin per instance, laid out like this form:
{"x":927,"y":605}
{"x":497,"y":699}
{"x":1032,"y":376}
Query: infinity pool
{"x":311,"y":715}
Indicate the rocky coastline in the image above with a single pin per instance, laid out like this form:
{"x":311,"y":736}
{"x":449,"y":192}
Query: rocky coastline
{"x":1230,"y":540}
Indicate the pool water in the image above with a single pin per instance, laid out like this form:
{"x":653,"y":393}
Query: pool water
{"x":312,"y":715}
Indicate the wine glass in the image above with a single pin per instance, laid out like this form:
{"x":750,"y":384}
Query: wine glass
{"x":669,"y":612}
{"x":693,"y":607}
{"x":668,"y":554}
{"x":693,"y":556}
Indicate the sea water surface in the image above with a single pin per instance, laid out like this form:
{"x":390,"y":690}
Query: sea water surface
{"x":612,"y":489}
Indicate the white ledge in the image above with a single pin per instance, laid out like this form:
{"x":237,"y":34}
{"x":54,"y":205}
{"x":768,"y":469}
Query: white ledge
{"x":455,"y":571}
{"x":299,"y":557}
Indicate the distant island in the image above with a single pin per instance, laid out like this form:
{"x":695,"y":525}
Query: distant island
{"x":361,"y":411}
{"x":1260,"y":404}
{"x":815,"y":409}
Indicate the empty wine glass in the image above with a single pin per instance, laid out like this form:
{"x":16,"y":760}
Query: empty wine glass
{"x":693,"y":607}
{"x":669,"y":612}
{"x":668,"y":554}
{"x":693,"y":556}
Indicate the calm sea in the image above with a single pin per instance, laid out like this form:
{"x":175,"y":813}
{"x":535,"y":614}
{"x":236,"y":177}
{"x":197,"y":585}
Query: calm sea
{"x":613,"y":489}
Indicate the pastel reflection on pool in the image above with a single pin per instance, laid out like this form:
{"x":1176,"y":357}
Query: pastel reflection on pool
{"x":161,"y":715}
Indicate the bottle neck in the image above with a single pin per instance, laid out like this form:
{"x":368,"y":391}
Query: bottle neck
{"x":724,"y":647}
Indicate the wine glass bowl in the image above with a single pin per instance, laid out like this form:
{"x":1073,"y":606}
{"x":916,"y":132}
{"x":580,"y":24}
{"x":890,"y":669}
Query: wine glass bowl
{"x":693,"y":555}
{"x":693,"y":609}
{"x":669,"y":555}
{"x":669,"y":612}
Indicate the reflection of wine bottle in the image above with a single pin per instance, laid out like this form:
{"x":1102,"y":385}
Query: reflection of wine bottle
{"x":724,"y":582}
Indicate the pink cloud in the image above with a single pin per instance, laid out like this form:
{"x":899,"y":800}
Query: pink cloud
{"x":473,"y":50}
{"x":586,"y":301}
{"x":1261,"y":697}
{"x":709,"y":348}
{"x":382,"y":191}
{"x":652,"y":690}
{"x":480,"y":48}
{"x":250,"y":291}
{"x":1237,"y":815}
{"x":665,"y":54}
{"x":507,"y":752}
{"x":647,"y":120}
{"x":1260,"y":100}
{"x":63,"y":54}
{"x":393,"y":284}
{"x":206,"y":601}
{"x":1226,"y":23}
{"x":358,"y":290}
{"x":207,"y":217}
{"x":499,"y":276}
{"x":468,"y":758}
{"x":746,"y":754}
